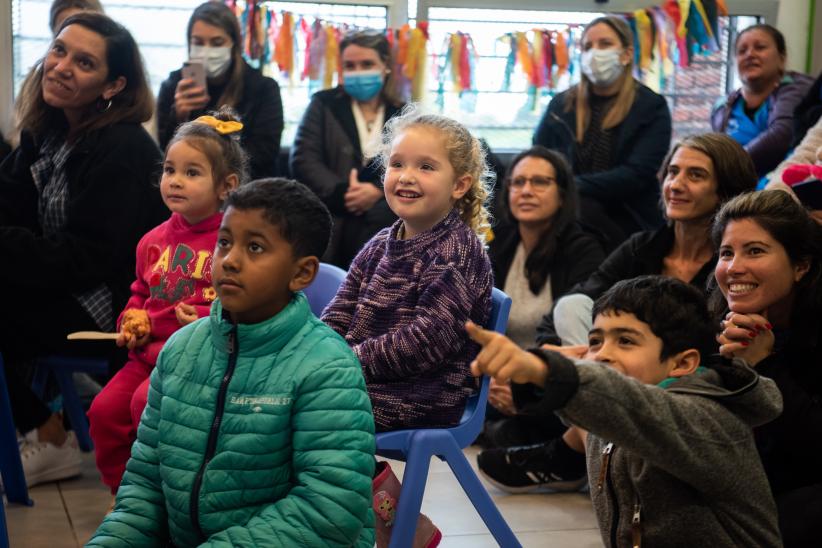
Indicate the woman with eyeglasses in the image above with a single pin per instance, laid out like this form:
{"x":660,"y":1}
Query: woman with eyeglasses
{"x":615,"y":132}
{"x":539,"y":252}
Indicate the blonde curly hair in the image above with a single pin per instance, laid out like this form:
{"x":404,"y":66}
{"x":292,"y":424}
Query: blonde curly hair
{"x":465,"y":153}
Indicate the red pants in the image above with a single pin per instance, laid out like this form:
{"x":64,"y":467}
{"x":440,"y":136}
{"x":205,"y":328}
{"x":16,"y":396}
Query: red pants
{"x":113,"y":419}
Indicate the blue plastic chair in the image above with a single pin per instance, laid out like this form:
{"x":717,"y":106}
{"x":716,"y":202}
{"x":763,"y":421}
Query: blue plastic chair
{"x":324,"y":287}
{"x":416,"y":447}
{"x":63,"y":367}
{"x":11,"y":469}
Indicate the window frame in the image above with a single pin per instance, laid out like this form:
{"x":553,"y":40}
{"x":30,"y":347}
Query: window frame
{"x":397,"y":16}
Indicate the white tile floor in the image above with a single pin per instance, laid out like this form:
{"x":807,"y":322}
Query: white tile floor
{"x":66,"y":514}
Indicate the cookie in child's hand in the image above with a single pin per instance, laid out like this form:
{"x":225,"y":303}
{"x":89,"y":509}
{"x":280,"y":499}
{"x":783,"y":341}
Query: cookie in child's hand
{"x":136,"y":322}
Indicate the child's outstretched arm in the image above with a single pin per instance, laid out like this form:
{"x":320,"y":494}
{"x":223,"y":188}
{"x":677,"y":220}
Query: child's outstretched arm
{"x":333,"y":462}
{"x":445,"y":303}
{"x":503,"y":360}
{"x":139,"y":517}
{"x":691,"y":437}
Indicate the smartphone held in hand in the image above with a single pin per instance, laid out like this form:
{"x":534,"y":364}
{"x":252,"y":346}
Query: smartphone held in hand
{"x":195,"y":70}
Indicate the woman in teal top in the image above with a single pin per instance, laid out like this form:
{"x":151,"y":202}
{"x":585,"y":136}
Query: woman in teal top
{"x":759,"y":115}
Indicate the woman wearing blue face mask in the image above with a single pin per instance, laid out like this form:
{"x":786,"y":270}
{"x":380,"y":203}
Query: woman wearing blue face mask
{"x":616,"y":133}
{"x":214,"y":40}
{"x":338,"y":137}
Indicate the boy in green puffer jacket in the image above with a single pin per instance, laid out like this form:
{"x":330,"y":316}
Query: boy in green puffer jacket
{"x":258,"y":429}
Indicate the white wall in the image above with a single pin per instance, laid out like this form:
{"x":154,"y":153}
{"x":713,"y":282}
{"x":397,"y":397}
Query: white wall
{"x":816,"y":64}
{"x":6,"y":80}
{"x":792,"y":21}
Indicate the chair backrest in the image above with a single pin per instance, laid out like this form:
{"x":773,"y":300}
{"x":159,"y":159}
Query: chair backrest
{"x":324,"y":287}
{"x":475,"y":407}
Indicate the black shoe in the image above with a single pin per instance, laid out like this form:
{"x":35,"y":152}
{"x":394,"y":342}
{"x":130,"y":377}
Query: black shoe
{"x":552,"y":465}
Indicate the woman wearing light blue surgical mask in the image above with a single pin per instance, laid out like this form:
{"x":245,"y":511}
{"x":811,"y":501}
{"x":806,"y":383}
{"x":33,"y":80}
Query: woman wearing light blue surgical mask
{"x":615,"y":131}
{"x":215,"y":44}
{"x":337,"y":139}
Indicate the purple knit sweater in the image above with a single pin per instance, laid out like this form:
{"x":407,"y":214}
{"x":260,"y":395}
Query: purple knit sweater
{"x":402,"y":308}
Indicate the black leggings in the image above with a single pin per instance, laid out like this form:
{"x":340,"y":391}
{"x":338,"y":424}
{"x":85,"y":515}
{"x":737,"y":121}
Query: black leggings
{"x":30,"y":329}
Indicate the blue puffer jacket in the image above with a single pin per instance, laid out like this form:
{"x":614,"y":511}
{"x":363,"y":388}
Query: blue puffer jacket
{"x":254,"y":435}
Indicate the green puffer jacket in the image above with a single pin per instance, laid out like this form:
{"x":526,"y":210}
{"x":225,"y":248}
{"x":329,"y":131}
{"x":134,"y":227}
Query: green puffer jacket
{"x":254,"y":435}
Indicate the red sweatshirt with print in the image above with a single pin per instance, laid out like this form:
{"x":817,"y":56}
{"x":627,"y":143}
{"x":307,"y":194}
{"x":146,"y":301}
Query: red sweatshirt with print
{"x":173,"y":266}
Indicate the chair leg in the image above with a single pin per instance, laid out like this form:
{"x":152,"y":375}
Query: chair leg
{"x":4,"y":534}
{"x":38,"y":383}
{"x":74,"y":409}
{"x":480,"y":498}
{"x":413,"y":488}
{"x":11,"y":468}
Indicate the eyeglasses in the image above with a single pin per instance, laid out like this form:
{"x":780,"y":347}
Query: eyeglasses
{"x":538,"y":183}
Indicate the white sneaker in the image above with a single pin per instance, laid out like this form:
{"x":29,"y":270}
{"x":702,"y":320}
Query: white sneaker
{"x":43,"y":461}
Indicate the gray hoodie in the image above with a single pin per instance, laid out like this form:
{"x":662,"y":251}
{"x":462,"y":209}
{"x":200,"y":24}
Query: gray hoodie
{"x":669,"y":467}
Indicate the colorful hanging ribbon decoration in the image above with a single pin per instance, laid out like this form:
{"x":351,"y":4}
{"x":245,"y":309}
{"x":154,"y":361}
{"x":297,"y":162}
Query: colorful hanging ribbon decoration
{"x":643,"y":38}
{"x":561,"y":54}
{"x":284,"y":45}
{"x":544,"y":60}
{"x":457,"y":63}
{"x":332,"y":57}
{"x":270,"y":39}
{"x":413,"y":63}
{"x":664,"y":36}
{"x":510,"y":41}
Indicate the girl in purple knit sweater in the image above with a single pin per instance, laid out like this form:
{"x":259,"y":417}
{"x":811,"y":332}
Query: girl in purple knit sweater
{"x":410,"y":290}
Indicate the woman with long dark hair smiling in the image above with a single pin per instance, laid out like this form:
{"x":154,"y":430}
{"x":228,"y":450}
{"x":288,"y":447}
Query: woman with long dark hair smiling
{"x":769,"y":295}
{"x":75,"y":198}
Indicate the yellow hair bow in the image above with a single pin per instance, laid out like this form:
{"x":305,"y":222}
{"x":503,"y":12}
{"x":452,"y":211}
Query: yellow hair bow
{"x":220,"y":126}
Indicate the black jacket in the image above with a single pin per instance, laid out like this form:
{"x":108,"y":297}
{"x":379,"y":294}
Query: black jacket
{"x":326,"y":149}
{"x":112,"y":177}
{"x":643,"y":253}
{"x":791,"y":446}
{"x":641,"y":142}
{"x":260,"y":110}
{"x":327,"y":146}
{"x":578,"y":256}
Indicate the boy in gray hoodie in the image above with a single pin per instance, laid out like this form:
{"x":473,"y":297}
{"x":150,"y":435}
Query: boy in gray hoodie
{"x":670,"y":452}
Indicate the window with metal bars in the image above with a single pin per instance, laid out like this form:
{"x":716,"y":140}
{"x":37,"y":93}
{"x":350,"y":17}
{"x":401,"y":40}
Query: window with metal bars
{"x":506,"y":118}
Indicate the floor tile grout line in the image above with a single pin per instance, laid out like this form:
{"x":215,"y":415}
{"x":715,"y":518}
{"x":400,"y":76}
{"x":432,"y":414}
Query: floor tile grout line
{"x":68,"y":515}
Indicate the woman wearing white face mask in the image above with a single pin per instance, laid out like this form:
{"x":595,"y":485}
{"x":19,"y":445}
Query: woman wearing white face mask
{"x":338,"y":137}
{"x":214,"y":40}
{"x":616,"y":133}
